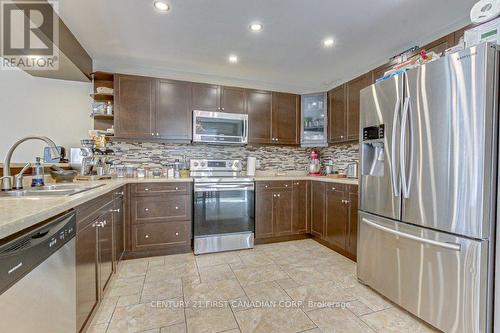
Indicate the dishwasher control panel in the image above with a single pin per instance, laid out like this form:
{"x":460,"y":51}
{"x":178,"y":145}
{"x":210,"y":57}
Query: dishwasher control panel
{"x":21,"y":255}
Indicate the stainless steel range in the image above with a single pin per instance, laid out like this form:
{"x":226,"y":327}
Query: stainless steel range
{"x":224,"y":206}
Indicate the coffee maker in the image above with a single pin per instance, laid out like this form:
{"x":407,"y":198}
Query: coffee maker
{"x":314,"y":163}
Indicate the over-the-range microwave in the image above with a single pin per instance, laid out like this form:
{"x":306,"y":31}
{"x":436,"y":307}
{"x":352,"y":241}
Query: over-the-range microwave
{"x":220,"y":127}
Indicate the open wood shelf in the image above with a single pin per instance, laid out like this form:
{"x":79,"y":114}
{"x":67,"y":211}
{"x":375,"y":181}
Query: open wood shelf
{"x":103,"y":116}
{"x":102,"y":97}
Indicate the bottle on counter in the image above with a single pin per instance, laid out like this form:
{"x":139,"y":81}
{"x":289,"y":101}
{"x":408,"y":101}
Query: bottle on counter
{"x":37,"y":179}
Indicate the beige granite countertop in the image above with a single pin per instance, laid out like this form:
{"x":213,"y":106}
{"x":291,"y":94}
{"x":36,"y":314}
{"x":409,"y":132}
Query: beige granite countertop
{"x":23,"y":212}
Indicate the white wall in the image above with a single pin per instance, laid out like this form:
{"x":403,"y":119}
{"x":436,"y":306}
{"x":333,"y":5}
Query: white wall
{"x":37,"y":106}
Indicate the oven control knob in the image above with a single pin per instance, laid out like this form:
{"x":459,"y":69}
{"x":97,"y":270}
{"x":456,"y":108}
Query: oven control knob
{"x":203,"y":164}
{"x":196,"y":164}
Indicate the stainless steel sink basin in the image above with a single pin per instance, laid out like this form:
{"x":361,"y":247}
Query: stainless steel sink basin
{"x":51,"y":190}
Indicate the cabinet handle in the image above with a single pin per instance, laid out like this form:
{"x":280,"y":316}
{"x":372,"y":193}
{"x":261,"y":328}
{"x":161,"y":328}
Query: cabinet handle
{"x":286,"y":185}
{"x":152,"y":134}
{"x":177,"y":234}
{"x":278,"y":195}
{"x":146,"y":236}
{"x":334,"y":188}
{"x":146,"y":189}
{"x":176,"y":188}
{"x":265,"y":186}
{"x":157,"y":134}
{"x":176,"y":208}
{"x":222,"y":109}
{"x":119,"y":193}
{"x":146,"y":209}
{"x":114,"y":210}
{"x":341,"y":136}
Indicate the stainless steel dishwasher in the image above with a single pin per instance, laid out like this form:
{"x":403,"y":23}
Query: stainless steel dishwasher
{"x":38,"y":279}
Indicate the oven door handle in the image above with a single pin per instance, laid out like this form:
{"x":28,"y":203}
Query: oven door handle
{"x":224,"y":187}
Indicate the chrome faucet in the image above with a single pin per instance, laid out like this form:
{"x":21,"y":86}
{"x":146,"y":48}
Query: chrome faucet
{"x":7,"y":178}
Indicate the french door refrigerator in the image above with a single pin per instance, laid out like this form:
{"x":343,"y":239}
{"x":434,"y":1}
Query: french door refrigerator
{"x":428,"y":189}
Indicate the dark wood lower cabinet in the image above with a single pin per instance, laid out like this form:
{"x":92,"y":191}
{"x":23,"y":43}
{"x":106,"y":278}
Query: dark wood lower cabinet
{"x":104,"y":227}
{"x":277,"y":212}
{"x":95,"y":251}
{"x":334,"y":216}
{"x":301,"y":206}
{"x":318,"y":209}
{"x":160,"y":219}
{"x":87,"y":296}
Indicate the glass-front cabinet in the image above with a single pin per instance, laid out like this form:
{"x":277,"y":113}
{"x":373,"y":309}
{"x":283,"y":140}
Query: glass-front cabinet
{"x":314,"y":113}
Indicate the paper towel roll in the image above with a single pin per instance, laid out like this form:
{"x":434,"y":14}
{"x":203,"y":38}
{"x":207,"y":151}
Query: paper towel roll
{"x":251,"y":163}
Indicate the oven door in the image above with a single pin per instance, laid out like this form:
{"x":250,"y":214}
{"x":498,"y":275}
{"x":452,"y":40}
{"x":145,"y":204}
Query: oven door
{"x":220,"y":127}
{"x":221,"y":209}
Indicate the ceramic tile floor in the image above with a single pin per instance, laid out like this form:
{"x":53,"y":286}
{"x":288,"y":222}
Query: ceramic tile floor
{"x":298,"y":286}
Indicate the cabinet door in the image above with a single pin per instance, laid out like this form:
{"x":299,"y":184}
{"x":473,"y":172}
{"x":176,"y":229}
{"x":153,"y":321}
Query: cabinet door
{"x":174,"y":113}
{"x":283,"y":217}
{"x":440,"y":45}
{"x":134,"y":107}
{"x":337,"y":114}
{"x":336,"y":217}
{"x":354,"y":88}
{"x":259,"y":116}
{"x":318,"y":209}
{"x":105,"y":246}
{"x":119,"y":229}
{"x":352,"y":232}
{"x":206,"y":97}
{"x":233,"y":100}
{"x":264,"y":227}
{"x":300,"y":207}
{"x":86,"y":274}
{"x":285,"y":119}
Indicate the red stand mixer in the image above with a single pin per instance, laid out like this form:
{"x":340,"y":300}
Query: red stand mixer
{"x":314,"y":163}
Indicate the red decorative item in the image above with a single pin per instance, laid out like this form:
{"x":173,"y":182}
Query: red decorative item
{"x":314,"y":163}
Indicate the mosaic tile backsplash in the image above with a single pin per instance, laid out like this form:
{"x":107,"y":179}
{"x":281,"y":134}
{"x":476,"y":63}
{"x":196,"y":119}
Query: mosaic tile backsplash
{"x":269,"y":157}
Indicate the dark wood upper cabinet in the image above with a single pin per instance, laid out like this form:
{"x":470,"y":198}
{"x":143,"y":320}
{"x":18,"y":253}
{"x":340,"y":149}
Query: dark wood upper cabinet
{"x":440,"y":45}
{"x":206,"y":97}
{"x":336,"y":216}
{"x":337,"y":114}
{"x":318,"y":209}
{"x":353,"y":106}
{"x":134,"y":106}
{"x":285,"y":118}
{"x":174,"y":113}
{"x":233,"y":100}
{"x":259,"y":107}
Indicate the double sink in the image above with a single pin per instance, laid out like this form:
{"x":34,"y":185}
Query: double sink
{"x":51,"y":190}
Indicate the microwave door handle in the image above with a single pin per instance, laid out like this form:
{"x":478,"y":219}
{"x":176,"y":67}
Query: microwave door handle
{"x":245,"y":130}
{"x":394,"y":174}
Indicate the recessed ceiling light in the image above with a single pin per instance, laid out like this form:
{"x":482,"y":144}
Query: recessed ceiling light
{"x":233,"y":59}
{"x":255,"y":27}
{"x":328,"y":42}
{"x":162,"y":6}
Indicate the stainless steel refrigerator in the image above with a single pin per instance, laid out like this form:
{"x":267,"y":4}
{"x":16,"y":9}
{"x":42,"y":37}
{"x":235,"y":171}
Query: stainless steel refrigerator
{"x":429,"y":189}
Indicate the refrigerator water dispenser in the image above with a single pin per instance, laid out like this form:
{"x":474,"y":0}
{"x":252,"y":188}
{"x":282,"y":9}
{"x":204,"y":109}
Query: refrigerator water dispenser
{"x":373,"y":151}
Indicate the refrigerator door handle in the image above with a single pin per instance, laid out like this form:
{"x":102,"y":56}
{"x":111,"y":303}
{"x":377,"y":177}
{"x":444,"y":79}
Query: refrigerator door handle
{"x":406,"y":180}
{"x":449,"y":246}
{"x":394,"y":177}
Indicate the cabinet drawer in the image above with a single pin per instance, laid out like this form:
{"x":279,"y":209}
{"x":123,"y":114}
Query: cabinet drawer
{"x":161,"y":208}
{"x":165,"y":234}
{"x":151,"y":188}
{"x":264,"y":186}
{"x":336,"y":187}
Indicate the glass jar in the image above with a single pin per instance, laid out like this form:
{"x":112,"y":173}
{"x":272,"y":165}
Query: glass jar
{"x":140,"y":172}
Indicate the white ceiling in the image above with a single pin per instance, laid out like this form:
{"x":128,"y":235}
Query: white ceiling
{"x":193,"y":40}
